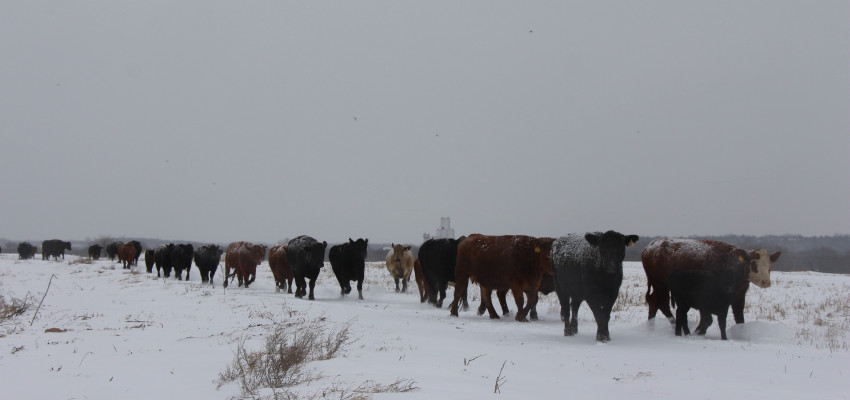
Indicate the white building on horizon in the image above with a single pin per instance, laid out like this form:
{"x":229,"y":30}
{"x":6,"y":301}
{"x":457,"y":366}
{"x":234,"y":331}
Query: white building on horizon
{"x":445,"y":231}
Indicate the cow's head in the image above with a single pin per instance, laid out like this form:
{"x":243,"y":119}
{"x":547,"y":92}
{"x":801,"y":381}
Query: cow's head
{"x":611,"y":246}
{"x":316,"y":254}
{"x":398,"y":252}
{"x":67,"y":245}
{"x":758,"y":265}
{"x":361,"y":245}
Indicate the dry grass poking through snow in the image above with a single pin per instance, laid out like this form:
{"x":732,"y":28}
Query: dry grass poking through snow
{"x":12,"y":309}
{"x":822,"y":315}
{"x":282,"y":362}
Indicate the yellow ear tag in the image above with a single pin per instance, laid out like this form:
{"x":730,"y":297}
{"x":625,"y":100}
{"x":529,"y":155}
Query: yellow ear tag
{"x":740,"y":258}
{"x":631,"y":243}
{"x":536,"y":249}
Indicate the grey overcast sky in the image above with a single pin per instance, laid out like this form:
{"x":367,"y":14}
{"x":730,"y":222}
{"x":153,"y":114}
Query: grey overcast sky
{"x":262,"y":120}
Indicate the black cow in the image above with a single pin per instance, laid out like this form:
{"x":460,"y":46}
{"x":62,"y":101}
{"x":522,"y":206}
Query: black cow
{"x":163,"y":259}
{"x":181,"y":259}
{"x":439,"y":258}
{"x":26,"y":251}
{"x":54,"y":248}
{"x":94,"y":251}
{"x":150,"y":260}
{"x":589,"y":268}
{"x":207,"y":259}
{"x":348,"y":261}
{"x":710,"y":292}
{"x":307,"y":257}
{"x":112,"y":250}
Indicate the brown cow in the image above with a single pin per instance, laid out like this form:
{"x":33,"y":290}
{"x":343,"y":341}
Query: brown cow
{"x":662,"y":256}
{"x":421,"y":282}
{"x":400,"y":264}
{"x":243,"y":258}
{"x":514,"y":262}
{"x":281,"y":269}
{"x":127,"y":253}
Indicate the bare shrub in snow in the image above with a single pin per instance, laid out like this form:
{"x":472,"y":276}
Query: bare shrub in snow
{"x":282,"y":361}
{"x":12,"y":309}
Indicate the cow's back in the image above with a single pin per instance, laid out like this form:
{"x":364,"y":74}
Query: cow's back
{"x":499,"y":261}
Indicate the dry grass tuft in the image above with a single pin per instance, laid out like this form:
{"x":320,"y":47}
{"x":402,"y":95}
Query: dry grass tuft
{"x":13,"y":309}
{"x":281,"y":363}
{"x":81,"y":260}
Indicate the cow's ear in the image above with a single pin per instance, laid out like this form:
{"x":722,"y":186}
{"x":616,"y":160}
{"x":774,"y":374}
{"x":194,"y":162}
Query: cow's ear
{"x":592,"y":238}
{"x":392,"y":244}
{"x":366,"y":241}
{"x":325,"y":244}
{"x":350,"y":241}
{"x":631,"y":240}
{"x":775,"y":256}
{"x":742,"y":255}
{"x":407,"y":247}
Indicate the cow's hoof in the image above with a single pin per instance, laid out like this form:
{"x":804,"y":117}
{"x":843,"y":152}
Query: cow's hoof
{"x":570,"y":331}
{"x":533,"y":318}
{"x":600,"y":337}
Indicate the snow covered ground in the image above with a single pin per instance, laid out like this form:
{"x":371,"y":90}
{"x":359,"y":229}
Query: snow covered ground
{"x":130,"y":335}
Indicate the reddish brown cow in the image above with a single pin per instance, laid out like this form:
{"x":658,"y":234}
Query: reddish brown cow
{"x":127,"y":253}
{"x":514,"y":262}
{"x":419,"y":277}
{"x":281,"y":269}
{"x":243,"y":258}
{"x":662,"y":256}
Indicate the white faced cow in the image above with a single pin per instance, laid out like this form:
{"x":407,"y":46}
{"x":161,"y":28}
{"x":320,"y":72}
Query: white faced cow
{"x":400,"y":264}
{"x":662,"y":256}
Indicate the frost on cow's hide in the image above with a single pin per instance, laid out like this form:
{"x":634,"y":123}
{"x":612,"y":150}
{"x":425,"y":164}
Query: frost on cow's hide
{"x":696,"y":247}
{"x":572,"y":248}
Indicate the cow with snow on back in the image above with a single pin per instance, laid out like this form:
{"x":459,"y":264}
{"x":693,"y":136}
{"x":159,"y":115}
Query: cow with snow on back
{"x":307,"y":257}
{"x":589,"y":268}
{"x":663,"y":256}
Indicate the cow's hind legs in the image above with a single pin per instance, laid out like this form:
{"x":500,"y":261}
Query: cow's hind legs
{"x":312,"y":285}
{"x":705,"y":320}
{"x":487,"y":300}
{"x":572,"y":327}
{"x":360,"y":289}
{"x":682,"y":321}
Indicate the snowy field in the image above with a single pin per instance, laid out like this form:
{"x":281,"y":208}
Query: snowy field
{"x":129,"y":335}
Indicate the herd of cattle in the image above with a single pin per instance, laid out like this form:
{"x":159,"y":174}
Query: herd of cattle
{"x":706,"y":275}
